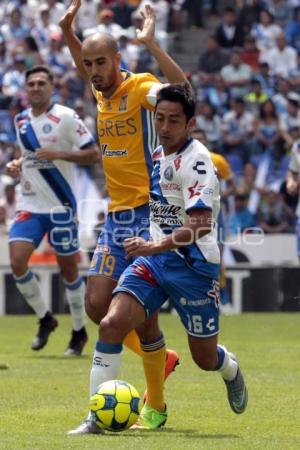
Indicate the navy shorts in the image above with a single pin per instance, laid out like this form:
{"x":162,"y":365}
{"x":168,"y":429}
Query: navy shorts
{"x":109,"y":257}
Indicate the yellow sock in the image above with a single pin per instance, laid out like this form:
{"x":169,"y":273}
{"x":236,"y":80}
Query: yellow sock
{"x":154,"y":367}
{"x":132,"y":341}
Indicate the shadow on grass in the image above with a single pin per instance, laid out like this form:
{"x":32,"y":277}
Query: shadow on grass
{"x":186,"y":433}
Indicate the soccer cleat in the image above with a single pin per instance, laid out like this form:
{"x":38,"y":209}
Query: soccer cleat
{"x":150,"y":419}
{"x":237,"y":393}
{"x":78,"y":340}
{"x":89,"y":426}
{"x":46,"y":325}
{"x":172,"y":360}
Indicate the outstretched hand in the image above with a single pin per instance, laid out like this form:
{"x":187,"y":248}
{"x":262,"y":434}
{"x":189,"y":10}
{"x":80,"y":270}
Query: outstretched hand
{"x":146,"y":34}
{"x":137,"y":246}
{"x":68,"y":17}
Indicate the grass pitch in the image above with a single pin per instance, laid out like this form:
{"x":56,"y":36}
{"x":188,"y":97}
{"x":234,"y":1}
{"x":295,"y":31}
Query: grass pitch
{"x":44,"y":394}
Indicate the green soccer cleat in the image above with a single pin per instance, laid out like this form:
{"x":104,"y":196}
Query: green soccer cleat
{"x":150,"y":419}
{"x":237,"y":393}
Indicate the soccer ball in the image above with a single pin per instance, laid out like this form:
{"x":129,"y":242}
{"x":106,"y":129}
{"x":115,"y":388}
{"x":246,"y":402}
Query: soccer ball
{"x":115,"y":405}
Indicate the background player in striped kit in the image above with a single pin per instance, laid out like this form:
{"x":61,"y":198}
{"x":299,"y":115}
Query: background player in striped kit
{"x":47,"y":135}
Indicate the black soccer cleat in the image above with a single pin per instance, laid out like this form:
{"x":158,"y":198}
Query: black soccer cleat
{"x":78,"y":340}
{"x":46,"y":325}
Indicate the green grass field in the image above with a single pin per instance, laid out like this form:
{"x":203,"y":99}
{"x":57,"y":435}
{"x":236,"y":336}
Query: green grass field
{"x":43,"y":395}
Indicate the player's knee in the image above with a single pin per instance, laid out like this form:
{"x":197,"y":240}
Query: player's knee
{"x":69,"y":273}
{"x":94,"y":306}
{"x":18,"y":265}
{"x":111,"y":329}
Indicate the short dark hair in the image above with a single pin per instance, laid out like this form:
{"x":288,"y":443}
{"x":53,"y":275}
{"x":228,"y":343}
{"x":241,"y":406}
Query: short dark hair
{"x":36,"y":69}
{"x":179,"y":93}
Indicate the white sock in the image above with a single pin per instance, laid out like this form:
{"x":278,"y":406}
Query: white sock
{"x":29,"y":287}
{"x":75,"y":296}
{"x":229,"y":368}
{"x":105,"y":365}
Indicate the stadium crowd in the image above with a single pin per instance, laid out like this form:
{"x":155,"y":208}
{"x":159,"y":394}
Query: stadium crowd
{"x":247,"y":84}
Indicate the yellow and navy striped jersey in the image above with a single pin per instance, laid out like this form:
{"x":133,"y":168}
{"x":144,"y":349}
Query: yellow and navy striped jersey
{"x":127,"y":139}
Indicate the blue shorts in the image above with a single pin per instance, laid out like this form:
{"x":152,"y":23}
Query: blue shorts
{"x":109,"y":257}
{"x":196,"y":298}
{"x":61,"y":229}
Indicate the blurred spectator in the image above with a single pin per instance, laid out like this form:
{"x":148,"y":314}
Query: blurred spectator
{"x":295,"y":76}
{"x":290,"y":120}
{"x":241,"y":219}
{"x":14,"y":79}
{"x":3,"y":227}
{"x":208,"y":121}
{"x":87,"y":14}
{"x":31,"y":52}
{"x":211,"y":62}
{"x":236,"y":75}
{"x":106,"y":24}
{"x":238,"y":127}
{"x":43,"y":27}
{"x":194,"y":9}
{"x":282,"y":59}
{"x":273,"y":215}
{"x":267,"y":80}
{"x":56,"y":10}
{"x":249,"y":54}
{"x":266,"y":129}
{"x":290,"y":200}
{"x":5,"y":59}
{"x":255,"y":97}
{"x":122,"y":13}
{"x":129,"y":52}
{"x":292,"y":31}
{"x":13,"y":31}
{"x":280,"y":97}
{"x":5,"y":151}
{"x":217,"y":94}
{"x":230,"y":33}
{"x":265,"y":31}
{"x":246,"y":181}
{"x":57,"y":55}
{"x":8,"y":201}
{"x":282,"y":11}
{"x":249,"y":14}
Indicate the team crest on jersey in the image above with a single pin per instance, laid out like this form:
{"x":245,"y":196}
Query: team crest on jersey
{"x":123,"y":104}
{"x":47,"y":128}
{"x":168,"y":173}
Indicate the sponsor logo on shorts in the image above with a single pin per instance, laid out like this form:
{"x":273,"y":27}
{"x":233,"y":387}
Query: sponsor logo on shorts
{"x":103,"y":249}
{"x":200,"y":302}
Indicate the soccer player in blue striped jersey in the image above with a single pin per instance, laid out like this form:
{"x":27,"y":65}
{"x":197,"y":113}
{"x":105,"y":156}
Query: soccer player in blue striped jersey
{"x":51,"y":137}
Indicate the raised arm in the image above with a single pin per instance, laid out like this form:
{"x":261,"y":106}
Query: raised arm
{"x":167,"y":65}
{"x":72,"y":40}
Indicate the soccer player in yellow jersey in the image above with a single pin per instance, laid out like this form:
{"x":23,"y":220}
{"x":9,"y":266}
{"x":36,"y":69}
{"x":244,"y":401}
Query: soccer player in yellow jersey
{"x":126,"y":131}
